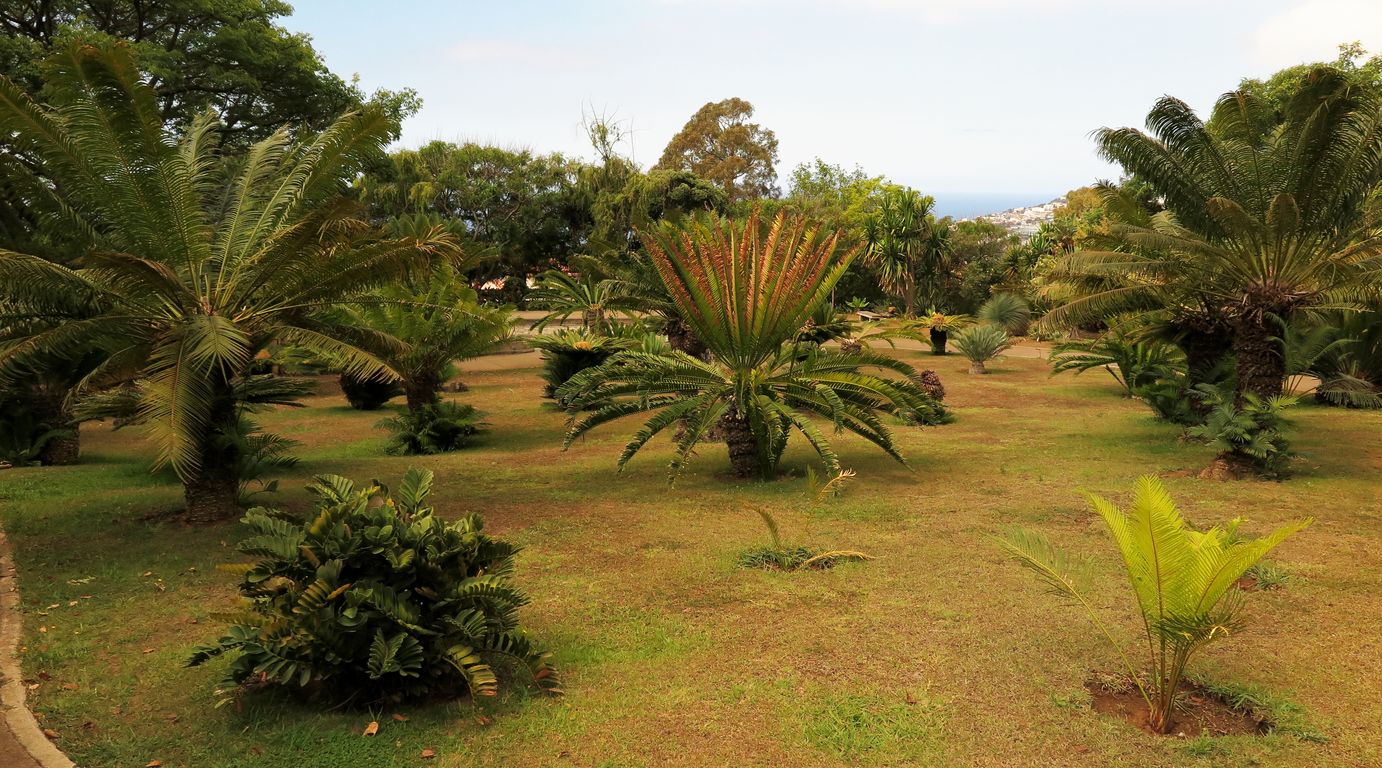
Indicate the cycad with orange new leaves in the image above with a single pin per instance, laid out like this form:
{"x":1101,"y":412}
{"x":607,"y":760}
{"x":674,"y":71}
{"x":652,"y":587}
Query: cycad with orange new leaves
{"x":747,"y":290}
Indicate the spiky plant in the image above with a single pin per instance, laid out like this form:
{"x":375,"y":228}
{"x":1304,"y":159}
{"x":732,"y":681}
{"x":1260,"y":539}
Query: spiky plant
{"x":1246,"y":434}
{"x":1132,"y":363}
{"x":980,"y":344}
{"x":1182,"y":580}
{"x":563,"y":294}
{"x":192,"y":272}
{"x":567,"y":352}
{"x":1007,"y":311}
{"x":939,"y":325}
{"x":423,"y":324}
{"x":746,"y":290}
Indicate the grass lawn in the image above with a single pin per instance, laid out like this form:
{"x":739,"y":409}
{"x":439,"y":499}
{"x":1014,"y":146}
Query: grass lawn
{"x":939,"y":652}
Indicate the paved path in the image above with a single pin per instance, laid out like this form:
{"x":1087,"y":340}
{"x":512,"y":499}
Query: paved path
{"x":22,"y":743}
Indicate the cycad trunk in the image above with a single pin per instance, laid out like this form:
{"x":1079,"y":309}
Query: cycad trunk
{"x":1261,"y":364}
{"x":977,"y":367}
{"x":681,"y":338}
{"x":212,"y":494}
{"x":49,"y":403}
{"x":939,"y":337}
{"x":422,"y":390}
{"x":744,"y":457}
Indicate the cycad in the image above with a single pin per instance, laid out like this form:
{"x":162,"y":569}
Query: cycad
{"x":1265,"y":218}
{"x":192,"y":271}
{"x":747,"y":291}
{"x":1131,"y":362}
{"x":980,"y":344}
{"x":1182,"y":580}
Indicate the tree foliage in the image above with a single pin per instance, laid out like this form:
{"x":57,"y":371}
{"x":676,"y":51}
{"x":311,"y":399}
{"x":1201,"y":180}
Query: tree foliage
{"x":719,"y":143}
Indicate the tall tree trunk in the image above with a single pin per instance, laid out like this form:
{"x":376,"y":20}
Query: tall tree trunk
{"x":1261,"y":362}
{"x":744,"y":458}
{"x":939,"y":337}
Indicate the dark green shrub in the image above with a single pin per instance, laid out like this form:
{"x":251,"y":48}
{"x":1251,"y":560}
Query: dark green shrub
{"x":366,"y":394}
{"x":25,"y":433}
{"x":438,"y":428}
{"x":375,"y":599}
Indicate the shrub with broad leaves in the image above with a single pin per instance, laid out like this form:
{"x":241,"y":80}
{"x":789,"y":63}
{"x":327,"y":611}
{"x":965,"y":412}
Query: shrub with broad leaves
{"x":375,"y":598}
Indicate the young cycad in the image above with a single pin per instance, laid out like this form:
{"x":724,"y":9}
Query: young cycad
{"x":1182,"y":580}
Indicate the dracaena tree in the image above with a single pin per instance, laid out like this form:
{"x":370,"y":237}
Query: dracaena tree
{"x":908,"y":249}
{"x":197,"y":260}
{"x":1267,"y":216}
{"x":747,"y":290}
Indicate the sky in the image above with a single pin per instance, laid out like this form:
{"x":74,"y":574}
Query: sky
{"x":958,"y":98}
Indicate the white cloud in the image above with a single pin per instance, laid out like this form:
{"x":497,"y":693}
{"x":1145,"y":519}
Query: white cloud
{"x":1313,"y":30}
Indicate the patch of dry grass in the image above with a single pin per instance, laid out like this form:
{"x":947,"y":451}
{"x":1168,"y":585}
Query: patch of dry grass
{"x":937,"y":653}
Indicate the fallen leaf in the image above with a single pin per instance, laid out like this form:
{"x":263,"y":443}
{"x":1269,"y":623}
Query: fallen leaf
{"x":50,"y":733}
{"x":71,"y":603}
{"x":400,"y":718}
{"x":148,"y":650}
{"x":153,"y":764}
{"x":147,"y":573}
{"x":428,"y":754}
{"x":372,"y":728}
{"x":69,"y":686}
{"x":484,"y":720}
{"x":43,"y":629}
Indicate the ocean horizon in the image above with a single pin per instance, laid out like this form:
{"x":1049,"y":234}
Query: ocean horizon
{"x":968,"y":205}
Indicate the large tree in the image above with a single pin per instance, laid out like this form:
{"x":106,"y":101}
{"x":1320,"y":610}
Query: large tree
{"x":195,"y":264}
{"x":720,"y":143}
{"x":1268,"y":213}
{"x":527,"y":209}
{"x":228,"y":55}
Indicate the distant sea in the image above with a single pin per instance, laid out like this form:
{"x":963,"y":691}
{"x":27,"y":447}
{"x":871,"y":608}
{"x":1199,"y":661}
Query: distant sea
{"x":961,"y":205}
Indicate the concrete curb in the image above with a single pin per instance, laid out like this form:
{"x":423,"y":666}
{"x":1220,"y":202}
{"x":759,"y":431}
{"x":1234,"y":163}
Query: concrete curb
{"x":18,"y":721}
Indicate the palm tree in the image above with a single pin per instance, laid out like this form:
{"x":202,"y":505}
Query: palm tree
{"x":747,"y":291}
{"x":1265,"y":218}
{"x":425,"y":323}
{"x":587,"y":294}
{"x":908,"y":248}
{"x":197,"y":263}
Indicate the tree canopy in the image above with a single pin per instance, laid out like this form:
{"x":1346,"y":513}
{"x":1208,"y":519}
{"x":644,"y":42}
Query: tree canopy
{"x":720,"y":144}
{"x":228,"y":55}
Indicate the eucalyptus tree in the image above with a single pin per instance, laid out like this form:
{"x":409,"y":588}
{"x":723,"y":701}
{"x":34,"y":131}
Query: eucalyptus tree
{"x":198,"y":261}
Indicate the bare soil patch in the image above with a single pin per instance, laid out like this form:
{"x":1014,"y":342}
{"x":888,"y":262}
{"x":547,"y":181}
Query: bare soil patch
{"x":1201,"y":712}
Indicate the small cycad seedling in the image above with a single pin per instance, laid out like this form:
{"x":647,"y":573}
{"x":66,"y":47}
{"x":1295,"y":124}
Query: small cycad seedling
{"x":1182,"y":580}
{"x":781,"y":557}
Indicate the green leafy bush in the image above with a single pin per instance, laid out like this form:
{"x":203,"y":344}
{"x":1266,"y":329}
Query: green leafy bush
{"x":1248,"y":437}
{"x":24,"y":433}
{"x":374,"y":599}
{"x":1182,"y":580}
{"x":438,"y":428}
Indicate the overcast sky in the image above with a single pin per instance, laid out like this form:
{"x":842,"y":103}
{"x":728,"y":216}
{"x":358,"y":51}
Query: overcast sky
{"x":949,"y":96}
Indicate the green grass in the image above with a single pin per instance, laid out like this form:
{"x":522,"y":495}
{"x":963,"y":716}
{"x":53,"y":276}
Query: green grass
{"x":671,"y":654}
